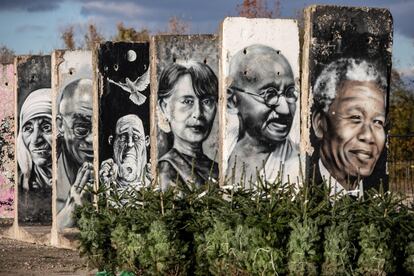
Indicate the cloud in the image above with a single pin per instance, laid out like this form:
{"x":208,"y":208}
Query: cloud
{"x":402,"y":14}
{"x":206,"y":12}
{"x":407,"y":75}
{"x":159,"y":10}
{"x":126,"y":9}
{"x":30,"y":28}
{"x":31,"y":5}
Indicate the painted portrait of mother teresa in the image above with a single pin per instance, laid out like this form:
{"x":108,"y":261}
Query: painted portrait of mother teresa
{"x":34,"y":153}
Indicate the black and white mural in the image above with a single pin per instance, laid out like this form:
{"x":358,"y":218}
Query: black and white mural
{"x":34,"y":140}
{"x":261,"y":78}
{"x":74,"y":138}
{"x":124,"y":116}
{"x":187,"y":104}
{"x":350,"y":65}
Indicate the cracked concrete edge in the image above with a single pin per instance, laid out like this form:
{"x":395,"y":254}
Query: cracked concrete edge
{"x":153,"y":106}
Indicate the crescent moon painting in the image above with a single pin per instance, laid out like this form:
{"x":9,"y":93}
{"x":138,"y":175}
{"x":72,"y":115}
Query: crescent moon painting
{"x":131,"y":55}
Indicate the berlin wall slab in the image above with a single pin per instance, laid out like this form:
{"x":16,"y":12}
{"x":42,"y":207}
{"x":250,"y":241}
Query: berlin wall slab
{"x":346,"y":73}
{"x":124,"y":116}
{"x":7,"y":103}
{"x":184,"y":104}
{"x":34,"y":140}
{"x":259,"y":101}
{"x":72,"y":117}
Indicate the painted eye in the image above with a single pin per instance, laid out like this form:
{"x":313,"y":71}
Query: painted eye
{"x":379,"y":123}
{"x":46,"y":127}
{"x":135,"y":138}
{"x":28,"y":128}
{"x":291,"y":93}
{"x":188,"y":101}
{"x":269,"y":93}
{"x":355,"y":118}
{"x":81,"y":131}
{"x":207,"y":102}
{"x":123,"y":138}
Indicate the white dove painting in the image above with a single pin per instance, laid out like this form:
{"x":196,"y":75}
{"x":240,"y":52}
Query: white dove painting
{"x":135,"y":88}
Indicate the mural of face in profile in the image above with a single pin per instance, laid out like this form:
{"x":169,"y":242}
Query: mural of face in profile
{"x":75,"y":156}
{"x":348,"y":121}
{"x":187,"y":99}
{"x":263,"y":95}
{"x":75,"y":121}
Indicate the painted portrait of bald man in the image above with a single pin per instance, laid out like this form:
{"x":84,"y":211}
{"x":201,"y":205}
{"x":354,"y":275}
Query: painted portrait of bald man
{"x":262,"y":93}
{"x":128,"y":168}
{"x":75,"y":147}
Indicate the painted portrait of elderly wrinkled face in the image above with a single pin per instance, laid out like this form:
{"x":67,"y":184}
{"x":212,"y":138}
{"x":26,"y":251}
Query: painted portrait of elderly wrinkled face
{"x":124,"y":119}
{"x":263,"y":95}
{"x":75,"y":147}
{"x":37,"y":134}
{"x":349,"y":118}
{"x":75,"y":120}
{"x":130,"y":144}
{"x":34,"y":140}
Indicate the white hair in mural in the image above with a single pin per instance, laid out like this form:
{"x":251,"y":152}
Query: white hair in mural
{"x":325,"y":88}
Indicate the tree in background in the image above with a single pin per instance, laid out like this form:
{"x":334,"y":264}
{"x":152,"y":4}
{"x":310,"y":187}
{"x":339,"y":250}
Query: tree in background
{"x":130,"y":34}
{"x":68,"y":37}
{"x":401,"y":117}
{"x":259,"y":9}
{"x":6,"y":55}
{"x":92,"y":37}
{"x":176,"y":25}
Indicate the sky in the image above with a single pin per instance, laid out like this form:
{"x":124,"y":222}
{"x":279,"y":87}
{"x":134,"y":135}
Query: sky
{"x":33,"y":26}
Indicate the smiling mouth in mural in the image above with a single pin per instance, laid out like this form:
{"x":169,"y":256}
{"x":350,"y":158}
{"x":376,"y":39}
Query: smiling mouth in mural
{"x":362,"y":155}
{"x":277,"y":122}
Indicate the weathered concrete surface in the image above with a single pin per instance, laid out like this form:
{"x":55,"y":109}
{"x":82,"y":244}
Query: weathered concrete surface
{"x":361,"y":37}
{"x":186,"y":50}
{"x":123,"y":78}
{"x":250,"y":53}
{"x":33,"y":75}
{"x":7,"y":144}
{"x":68,"y":68}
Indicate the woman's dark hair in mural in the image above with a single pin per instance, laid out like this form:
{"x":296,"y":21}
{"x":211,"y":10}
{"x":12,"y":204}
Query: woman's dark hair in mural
{"x":187,"y":97}
{"x":202,"y":76}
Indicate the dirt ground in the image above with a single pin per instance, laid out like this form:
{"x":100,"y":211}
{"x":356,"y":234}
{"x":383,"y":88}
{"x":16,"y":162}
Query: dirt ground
{"x":21,"y":258}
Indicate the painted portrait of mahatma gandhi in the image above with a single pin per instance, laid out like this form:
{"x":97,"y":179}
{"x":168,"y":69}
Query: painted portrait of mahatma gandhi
{"x":263,"y":95}
{"x":348,"y":121}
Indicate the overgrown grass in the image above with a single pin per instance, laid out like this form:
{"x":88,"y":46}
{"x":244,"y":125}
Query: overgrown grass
{"x":274,"y":229}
